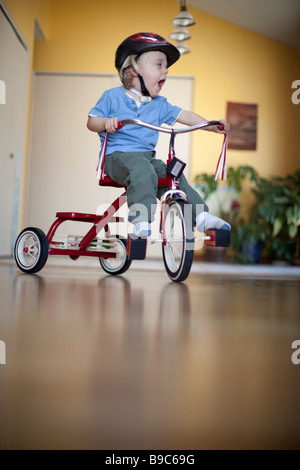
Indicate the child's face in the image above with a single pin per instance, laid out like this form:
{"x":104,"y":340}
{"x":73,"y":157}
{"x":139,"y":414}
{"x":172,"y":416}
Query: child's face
{"x":154,"y":71}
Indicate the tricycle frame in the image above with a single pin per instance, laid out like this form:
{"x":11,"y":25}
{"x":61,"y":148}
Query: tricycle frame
{"x":33,"y":246}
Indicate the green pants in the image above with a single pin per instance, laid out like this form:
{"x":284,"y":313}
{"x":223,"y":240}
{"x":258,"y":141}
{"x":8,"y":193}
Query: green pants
{"x":139,"y":172}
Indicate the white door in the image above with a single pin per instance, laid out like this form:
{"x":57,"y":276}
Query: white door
{"x":64,"y":153}
{"x":14,"y":84}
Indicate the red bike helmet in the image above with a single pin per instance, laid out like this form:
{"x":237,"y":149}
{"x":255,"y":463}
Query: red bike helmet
{"x":144,"y":42}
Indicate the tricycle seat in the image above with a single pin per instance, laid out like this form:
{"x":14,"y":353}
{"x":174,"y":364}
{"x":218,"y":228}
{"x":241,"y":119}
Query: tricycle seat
{"x":79,"y":216}
{"x":107,"y":181}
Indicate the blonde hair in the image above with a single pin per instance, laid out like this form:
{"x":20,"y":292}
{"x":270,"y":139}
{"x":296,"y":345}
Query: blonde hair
{"x":125,"y":74}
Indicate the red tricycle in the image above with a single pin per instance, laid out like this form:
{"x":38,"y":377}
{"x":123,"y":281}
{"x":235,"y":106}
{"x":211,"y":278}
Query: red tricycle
{"x":116,"y":253}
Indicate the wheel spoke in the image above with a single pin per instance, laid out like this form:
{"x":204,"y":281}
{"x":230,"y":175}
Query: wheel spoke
{"x":176,"y":258}
{"x":172,"y":258}
{"x":173,"y":249}
{"x":174,"y":235}
{"x":33,"y":245}
{"x":33,"y":254}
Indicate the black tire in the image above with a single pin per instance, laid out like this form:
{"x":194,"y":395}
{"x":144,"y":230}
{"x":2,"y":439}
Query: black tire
{"x":178,"y":252}
{"x":117,"y":265}
{"x":31,"y":250}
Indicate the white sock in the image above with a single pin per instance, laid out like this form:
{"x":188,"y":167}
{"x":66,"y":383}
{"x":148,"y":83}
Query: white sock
{"x":206,"y":221}
{"x":142,"y":229}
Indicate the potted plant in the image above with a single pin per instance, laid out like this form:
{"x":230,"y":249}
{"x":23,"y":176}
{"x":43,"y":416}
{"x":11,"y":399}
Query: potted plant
{"x":221,"y":200}
{"x":224,"y":201}
{"x":248,"y":238}
{"x":272,"y":224}
{"x":278,"y":204}
{"x":225,"y":196}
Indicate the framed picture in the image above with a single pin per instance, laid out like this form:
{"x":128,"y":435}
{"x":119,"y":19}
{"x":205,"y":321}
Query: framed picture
{"x":243,"y":125}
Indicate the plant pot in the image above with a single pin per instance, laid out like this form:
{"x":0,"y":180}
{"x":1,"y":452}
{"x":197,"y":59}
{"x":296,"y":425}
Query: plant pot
{"x":251,"y":251}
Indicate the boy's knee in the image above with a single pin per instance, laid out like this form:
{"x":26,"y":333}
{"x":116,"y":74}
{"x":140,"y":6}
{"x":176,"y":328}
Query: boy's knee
{"x":148,"y":176}
{"x":160,"y":168}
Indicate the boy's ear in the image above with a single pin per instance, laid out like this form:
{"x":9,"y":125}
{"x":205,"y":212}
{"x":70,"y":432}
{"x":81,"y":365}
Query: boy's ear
{"x":133,"y":71}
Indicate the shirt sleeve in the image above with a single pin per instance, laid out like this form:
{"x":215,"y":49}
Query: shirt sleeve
{"x":169,"y":114}
{"x":102,"y":107}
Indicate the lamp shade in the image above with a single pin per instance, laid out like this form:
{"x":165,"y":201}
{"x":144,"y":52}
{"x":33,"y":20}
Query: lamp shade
{"x":182,"y":47}
{"x":180,"y":34}
{"x":183,"y":18}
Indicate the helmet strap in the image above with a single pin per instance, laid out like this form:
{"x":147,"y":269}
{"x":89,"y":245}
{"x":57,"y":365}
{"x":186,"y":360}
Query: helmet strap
{"x":145,"y":98}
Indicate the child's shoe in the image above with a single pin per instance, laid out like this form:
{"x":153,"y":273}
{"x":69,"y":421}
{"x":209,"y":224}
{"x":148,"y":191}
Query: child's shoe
{"x":142,"y":229}
{"x":206,"y":221}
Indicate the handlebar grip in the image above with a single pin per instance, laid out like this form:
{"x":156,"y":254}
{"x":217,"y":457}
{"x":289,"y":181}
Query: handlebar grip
{"x":120,"y":125}
{"x":221,"y":126}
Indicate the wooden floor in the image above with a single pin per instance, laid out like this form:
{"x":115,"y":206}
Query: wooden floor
{"x":139,"y":362}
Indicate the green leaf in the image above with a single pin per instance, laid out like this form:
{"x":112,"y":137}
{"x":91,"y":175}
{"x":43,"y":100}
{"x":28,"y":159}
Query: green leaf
{"x":293,"y":230}
{"x":277,"y":226}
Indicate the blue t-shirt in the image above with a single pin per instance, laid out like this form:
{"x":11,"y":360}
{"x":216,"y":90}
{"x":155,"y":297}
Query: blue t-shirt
{"x":131,"y":138}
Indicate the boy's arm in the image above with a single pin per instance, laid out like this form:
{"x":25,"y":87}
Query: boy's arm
{"x":189,"y":118}
{"x":99,"y":124}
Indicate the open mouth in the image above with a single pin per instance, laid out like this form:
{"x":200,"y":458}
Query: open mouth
{"x":161,"y":84}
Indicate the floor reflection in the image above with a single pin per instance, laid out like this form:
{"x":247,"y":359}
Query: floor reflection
{"x":137,"y":361}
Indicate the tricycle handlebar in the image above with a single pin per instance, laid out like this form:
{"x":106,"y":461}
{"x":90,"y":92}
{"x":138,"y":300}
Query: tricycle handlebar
{"x":168,"y":130}
{"x":221,"y":168}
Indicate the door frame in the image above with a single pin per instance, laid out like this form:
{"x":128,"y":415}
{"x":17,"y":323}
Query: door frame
{"x":20,"y":157}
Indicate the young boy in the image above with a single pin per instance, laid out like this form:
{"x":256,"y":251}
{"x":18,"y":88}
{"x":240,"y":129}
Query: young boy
{"x":142,"y":61}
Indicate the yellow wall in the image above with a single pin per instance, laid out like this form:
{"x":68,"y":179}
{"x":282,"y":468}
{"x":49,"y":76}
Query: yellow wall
{"x":24,"y":12}
{"x":229,"y":63}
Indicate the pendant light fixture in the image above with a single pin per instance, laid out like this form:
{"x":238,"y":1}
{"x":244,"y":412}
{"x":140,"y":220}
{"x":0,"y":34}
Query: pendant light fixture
{"x":183,"y":18}
{"x":182,"y":47}
{"x":180,"y":33}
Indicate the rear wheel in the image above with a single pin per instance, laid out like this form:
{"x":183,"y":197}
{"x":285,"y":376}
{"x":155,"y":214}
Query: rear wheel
{"x":31,"y":250}
{"x":178,"y":251}
{"x":120,"y":263}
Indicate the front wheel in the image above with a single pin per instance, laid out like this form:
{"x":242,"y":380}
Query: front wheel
{"x":120,"y":263}
{"x":178,"y":251}
{"x":31,"y":250}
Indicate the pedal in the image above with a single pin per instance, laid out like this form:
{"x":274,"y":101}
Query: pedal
{"x":136,"y":247}
{"x":218,"y":238}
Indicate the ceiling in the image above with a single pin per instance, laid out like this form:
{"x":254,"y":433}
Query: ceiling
{"x":275,"y":19}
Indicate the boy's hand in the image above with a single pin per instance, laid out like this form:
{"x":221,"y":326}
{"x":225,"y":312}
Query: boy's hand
{"x":224,"y":128}
{"x":111,"y":124}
